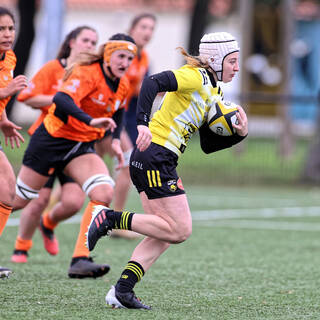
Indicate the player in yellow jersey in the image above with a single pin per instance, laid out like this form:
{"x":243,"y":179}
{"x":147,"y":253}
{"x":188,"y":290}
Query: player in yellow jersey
{"x":8,"y":87}
{"x":190,"y":91}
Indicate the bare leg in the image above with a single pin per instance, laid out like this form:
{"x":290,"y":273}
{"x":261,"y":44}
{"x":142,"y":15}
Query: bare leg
{"x":71,"y":201}
{"x":31,"y":213}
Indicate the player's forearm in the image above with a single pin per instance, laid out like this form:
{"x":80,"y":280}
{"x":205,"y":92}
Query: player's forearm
{"x":39,"y":101}
{"x":65,"y":106}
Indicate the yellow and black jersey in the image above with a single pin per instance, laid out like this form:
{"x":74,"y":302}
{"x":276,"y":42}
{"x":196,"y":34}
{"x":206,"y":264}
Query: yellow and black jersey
{"x":183,"y":111}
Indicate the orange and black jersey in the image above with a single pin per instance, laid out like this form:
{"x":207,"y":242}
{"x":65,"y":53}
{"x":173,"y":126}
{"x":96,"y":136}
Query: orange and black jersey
{"x":7,"y":65}
{"x":87,"y":93}
{"x":46,"y":81}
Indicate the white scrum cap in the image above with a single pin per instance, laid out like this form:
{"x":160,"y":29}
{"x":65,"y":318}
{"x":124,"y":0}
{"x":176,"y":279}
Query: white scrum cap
{"x":215,"y":47}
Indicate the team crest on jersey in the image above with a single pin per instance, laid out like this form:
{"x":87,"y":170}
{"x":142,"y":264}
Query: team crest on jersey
{"x":172,"y":184}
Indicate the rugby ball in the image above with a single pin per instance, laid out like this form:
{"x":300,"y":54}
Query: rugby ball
{"x":221,"y":116}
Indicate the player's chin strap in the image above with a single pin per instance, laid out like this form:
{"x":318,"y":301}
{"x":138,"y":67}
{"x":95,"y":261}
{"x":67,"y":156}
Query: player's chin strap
{"x":96,"y":180}
{"x":25,"y":192}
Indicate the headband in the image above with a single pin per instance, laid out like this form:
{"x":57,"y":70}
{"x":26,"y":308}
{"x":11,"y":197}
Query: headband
{"x":115,"y":45}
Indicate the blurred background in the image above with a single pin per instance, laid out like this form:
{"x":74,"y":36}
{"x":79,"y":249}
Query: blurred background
{"x":278,"y":83}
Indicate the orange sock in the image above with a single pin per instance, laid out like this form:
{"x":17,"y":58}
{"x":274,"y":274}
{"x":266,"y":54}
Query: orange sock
{"x":23,"y":244}
{"x":80,"y":249}
{"x":47,"y":222}
{"x":5,"y":211}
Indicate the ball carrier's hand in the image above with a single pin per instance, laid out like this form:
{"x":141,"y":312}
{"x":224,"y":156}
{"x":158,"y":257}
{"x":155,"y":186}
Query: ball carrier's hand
{"x":242,"y":124}
{"x":144,"y":137}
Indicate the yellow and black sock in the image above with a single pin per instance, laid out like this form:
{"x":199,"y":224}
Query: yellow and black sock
{"x":132,"y":273}
{"x":123,"y":220}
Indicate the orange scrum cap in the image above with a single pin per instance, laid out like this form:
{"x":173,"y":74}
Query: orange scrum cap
{"x":114,"y":45}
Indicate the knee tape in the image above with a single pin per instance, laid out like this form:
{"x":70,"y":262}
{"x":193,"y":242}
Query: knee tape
{"x":25,"y":192}
{"x":96,"y":180}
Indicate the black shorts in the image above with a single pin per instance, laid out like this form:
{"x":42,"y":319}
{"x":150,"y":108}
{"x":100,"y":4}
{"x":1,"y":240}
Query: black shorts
{"x":46,"y":154}
{"x":154,"y":172}
{"x":61,"y":177}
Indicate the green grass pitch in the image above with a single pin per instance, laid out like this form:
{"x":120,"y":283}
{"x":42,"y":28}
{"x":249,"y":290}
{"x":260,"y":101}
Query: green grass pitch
{"x":253,"y":254}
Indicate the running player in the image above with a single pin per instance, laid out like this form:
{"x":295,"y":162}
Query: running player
{"x":8,"y":87}
{"x":141,"y":30}
{"x":190,"y":91}
{"x":89,"y":102}
{"x":39,"y":95}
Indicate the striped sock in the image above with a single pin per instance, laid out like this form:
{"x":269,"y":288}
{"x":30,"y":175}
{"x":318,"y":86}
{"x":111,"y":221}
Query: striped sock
{"x":123,"y":220}
{"x":132,"y":273}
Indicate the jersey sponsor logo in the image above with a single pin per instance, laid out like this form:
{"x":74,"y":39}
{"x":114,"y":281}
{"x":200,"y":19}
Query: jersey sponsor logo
{"x":137,"y":164}
{"x":154,"y":178}
{"x":99,"y":100}
{"x":74,"y":86}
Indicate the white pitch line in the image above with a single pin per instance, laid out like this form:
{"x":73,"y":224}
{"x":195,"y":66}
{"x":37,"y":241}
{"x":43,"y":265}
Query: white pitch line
{"x":13,"y":222}
{"x":223,"y":214}
{"x":221,"y":217}
{"x":262,"y":224}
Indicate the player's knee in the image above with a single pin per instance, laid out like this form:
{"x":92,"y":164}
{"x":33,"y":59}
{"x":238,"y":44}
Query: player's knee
{"x":99,"y":188}
{"x":40,"y":204}
{"x":7,"y":198}
{"x":72,"y":206}
{"x":182,"y":233}
{"x":7,"y":192}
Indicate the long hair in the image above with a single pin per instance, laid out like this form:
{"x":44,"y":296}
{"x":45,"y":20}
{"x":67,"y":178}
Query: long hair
{"x":195,"y":61}
{"x":64,"y":51}
{"x":6,"y":12}
{"x":88,"y":58}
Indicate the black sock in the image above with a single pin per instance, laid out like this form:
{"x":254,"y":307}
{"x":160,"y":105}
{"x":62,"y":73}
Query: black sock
{"x":123,"y":219}
{"x":76,"y":259}
{"x":132,"y":273}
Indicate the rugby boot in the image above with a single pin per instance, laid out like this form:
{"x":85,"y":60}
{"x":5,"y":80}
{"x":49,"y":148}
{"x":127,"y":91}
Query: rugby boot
{"x":127,"y":300}
{"x":4,"y":272}
{"x":84,"y":267}
{"x":101,"y":225}
{"x":19,"y":256}
{"x":50,"y":241}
